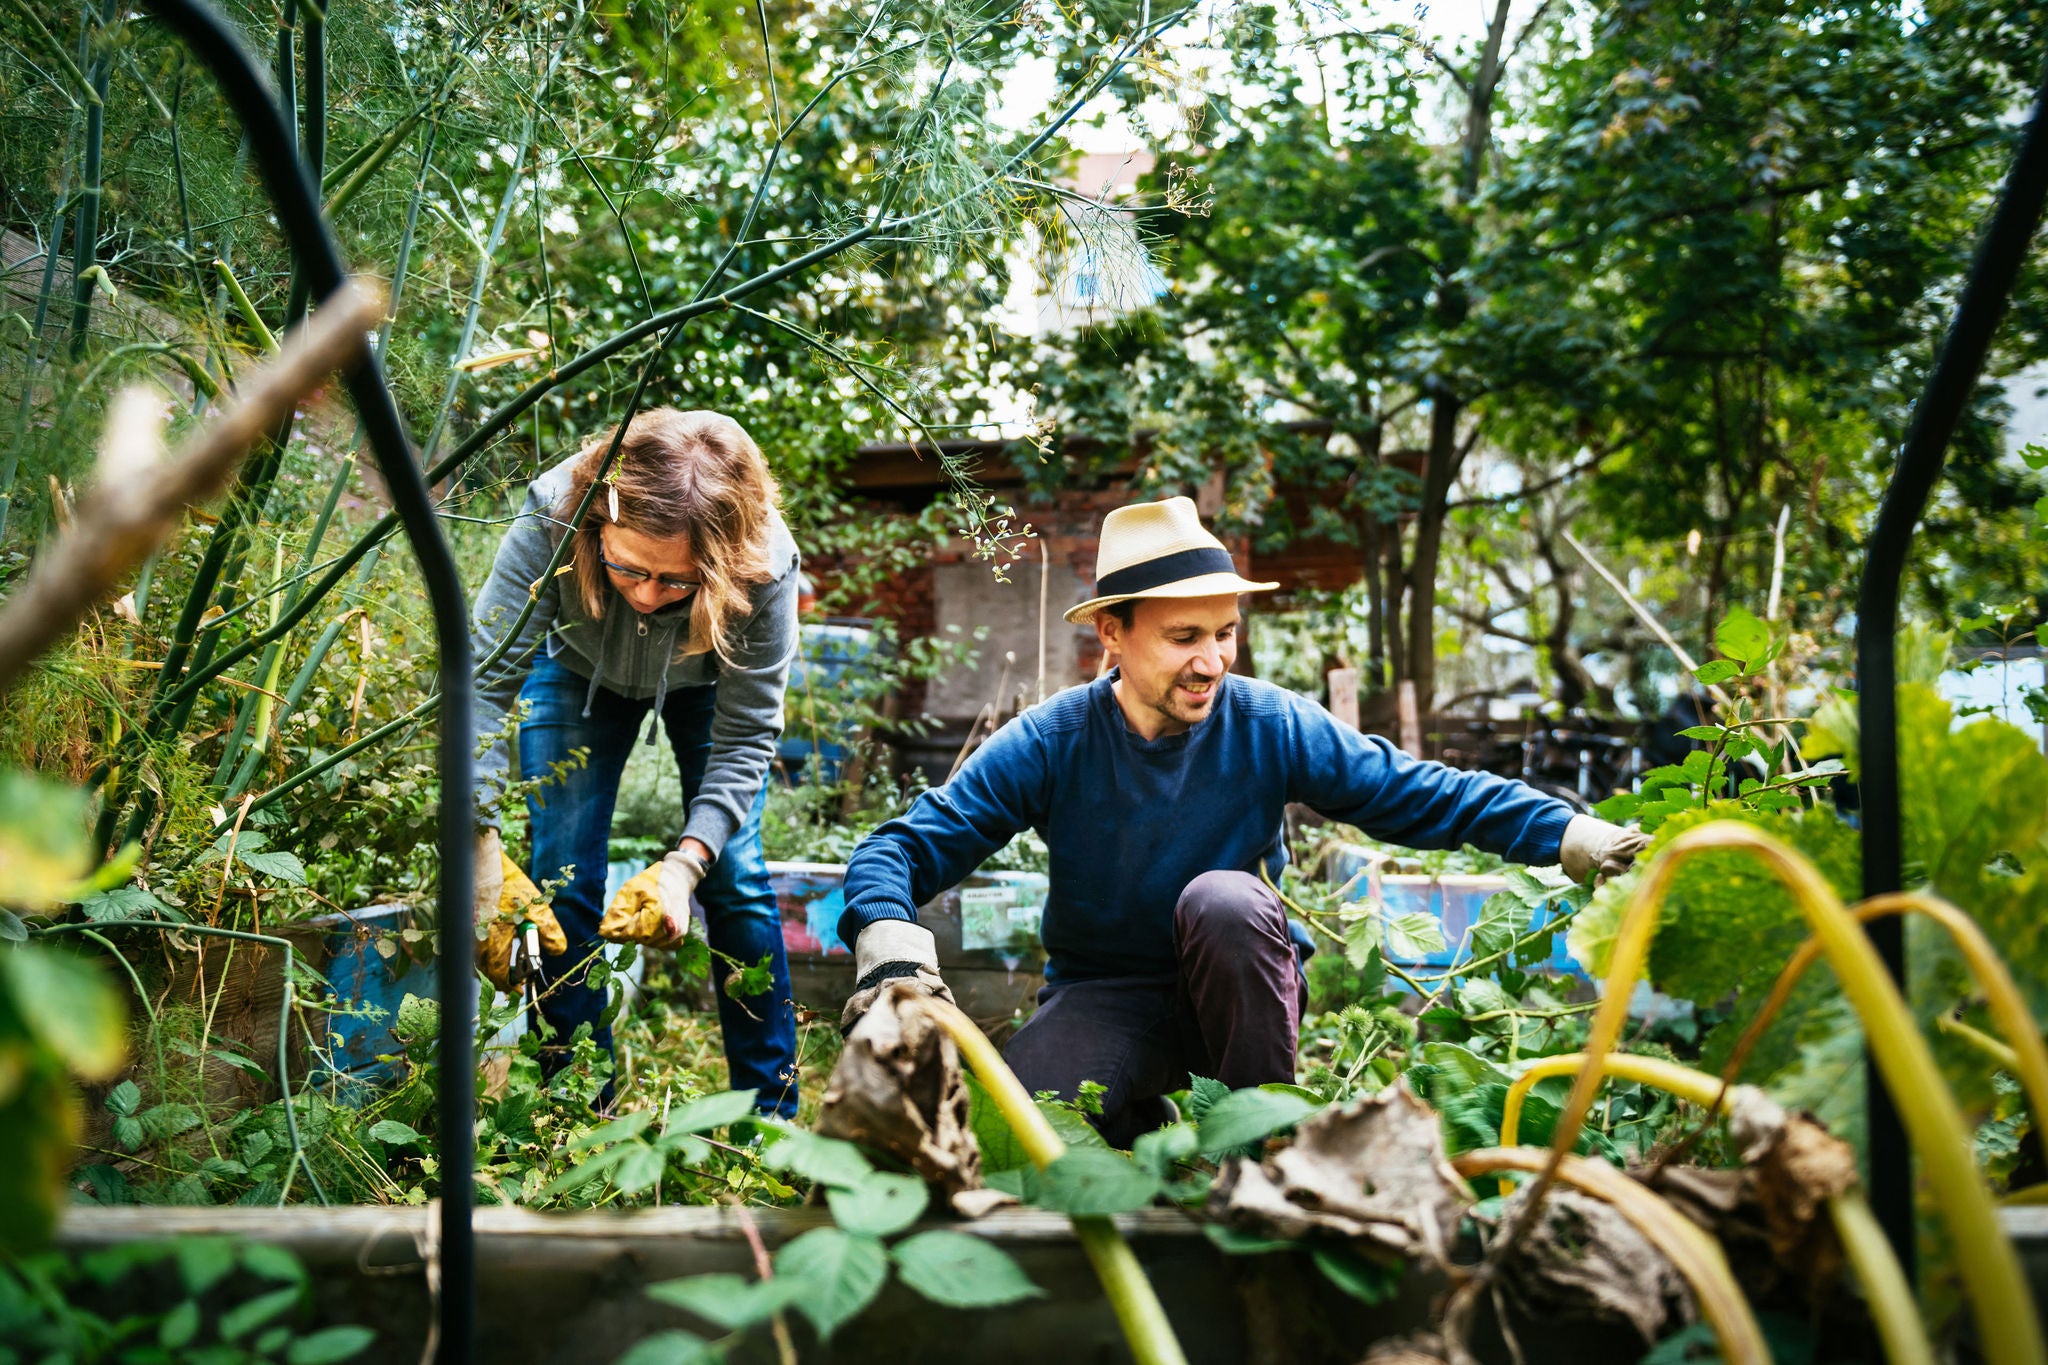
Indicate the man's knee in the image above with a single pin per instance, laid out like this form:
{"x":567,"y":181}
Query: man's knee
{"x":1232,"y":905}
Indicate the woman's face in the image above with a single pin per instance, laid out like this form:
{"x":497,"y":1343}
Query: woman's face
{"x":648,"y":571}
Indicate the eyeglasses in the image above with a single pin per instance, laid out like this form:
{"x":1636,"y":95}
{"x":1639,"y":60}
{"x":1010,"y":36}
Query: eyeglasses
{"x":641,"y":576}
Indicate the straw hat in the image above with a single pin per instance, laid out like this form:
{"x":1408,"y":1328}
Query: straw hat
{"x":1160,"y":549}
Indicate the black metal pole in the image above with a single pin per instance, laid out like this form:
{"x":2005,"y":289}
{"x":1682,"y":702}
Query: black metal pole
{"x":1997,"y":265}
{"x":296,"y":199}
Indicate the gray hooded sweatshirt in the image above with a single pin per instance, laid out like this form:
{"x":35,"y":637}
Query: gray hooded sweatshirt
{"x":637,"y":656}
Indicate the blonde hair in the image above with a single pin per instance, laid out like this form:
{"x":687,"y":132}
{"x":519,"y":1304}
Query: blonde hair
{"x":690,"y":476}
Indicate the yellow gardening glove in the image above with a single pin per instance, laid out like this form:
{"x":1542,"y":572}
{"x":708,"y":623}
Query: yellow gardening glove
{"x":654,"y":907}
{"x":518,"y":899}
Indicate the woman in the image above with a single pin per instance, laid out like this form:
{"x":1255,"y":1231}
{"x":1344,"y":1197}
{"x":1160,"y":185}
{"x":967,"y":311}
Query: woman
{"x":677,"y":596}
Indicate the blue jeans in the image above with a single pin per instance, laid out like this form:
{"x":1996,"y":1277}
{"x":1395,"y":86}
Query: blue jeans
{"x":572,"y":821}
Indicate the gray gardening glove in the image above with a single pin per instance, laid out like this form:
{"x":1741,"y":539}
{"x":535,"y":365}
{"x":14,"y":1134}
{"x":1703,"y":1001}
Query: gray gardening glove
{"x":1592,"y":847}
{"x":885,"y":951}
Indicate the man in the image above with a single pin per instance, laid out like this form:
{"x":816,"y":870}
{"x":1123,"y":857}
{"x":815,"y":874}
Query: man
{"x":1159,"y":791}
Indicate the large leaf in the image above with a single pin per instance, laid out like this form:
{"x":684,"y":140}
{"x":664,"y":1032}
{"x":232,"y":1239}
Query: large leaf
{"x":728,"y":1301}
{"x":838,"y":1275}
{"x":621,"y":1129}
{"x":1000,"y":1149}
{"x":282,"y":865}
{"x":670,"y":1348}
{"x":1091,"y":1181}
{"x":882,"y":1204}
{"x":712,"y":1111}
{"x":1245,"y":1116}
{"x":829,"y":1161}
{"x":70,"y":1006}
{"x":44,"y":844}
{"x":1742,"y":636}
{"x":957,"y":1270}
{"x":125,"y":902}
{"x":330,"y":1345}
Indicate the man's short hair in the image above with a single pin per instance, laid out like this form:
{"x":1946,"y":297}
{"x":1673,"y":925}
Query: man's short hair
{"x":1126,"y":611}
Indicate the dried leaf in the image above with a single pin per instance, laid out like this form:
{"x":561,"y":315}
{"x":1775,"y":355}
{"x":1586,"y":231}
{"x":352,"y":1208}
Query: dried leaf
{"x":1372,"y":1170}
{"x":898,"y":1088}
{"x":1584,"y":1259}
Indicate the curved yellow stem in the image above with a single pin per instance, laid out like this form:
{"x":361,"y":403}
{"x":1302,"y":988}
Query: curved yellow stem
{"x":1697,"y":1256}
{"x":2008,"y":1007}
{"x":1682,"y":1081}
{"x":1138,"y":1310}
{"x":1999,"y":1299}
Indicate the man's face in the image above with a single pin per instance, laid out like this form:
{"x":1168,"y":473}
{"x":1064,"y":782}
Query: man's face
{"x":1173,"y":656}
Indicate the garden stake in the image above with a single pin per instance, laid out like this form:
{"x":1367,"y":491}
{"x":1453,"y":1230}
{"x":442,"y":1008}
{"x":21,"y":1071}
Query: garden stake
{"x":318,"y":264}
{"x":1688,"y":1247}
{"x":1145,"y":1324}
{"x":1951,"y":386}
{"x":1999,"y":1297}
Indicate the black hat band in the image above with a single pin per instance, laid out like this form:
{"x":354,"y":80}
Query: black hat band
{"x":1173,"y":568}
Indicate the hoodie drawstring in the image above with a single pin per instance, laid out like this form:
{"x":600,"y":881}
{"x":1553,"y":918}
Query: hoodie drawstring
{"x":604,"y":645}
{"x":668,"y":654}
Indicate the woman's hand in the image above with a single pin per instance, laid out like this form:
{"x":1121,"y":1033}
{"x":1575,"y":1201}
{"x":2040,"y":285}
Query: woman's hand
{"x":681,"y":871}
{"x":654,"y":907}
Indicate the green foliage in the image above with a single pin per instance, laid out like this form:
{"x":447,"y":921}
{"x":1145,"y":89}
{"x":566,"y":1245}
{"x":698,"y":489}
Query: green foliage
{"x":242,"y":1304}
{"x":958,"y":1270}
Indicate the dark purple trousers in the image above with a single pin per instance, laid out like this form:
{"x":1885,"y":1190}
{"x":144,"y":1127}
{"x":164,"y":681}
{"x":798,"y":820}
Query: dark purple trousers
{"x":1231,"y":1010}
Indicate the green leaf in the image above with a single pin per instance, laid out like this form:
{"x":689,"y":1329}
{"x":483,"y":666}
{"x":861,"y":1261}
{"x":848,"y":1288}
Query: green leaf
{"x":1709,"y":733}
{"x":245,"y":1318}
{"x":179,"y":1326}
{"x":1203,"y":1093}
{"x":725,"y":1300}
{"x":1247,"y":1116}
{"x":670,"y":1348}
{"x":1364,"y":1279}
{"x":203,"y":1262}
{"x":1619,"y":808}
{"x":70,"y":1006}
{"x":881,"y":1205}
{"x":1716,"y":671}
{"x":840,"y":1275}
{"x":1158,"y":1150}
{"x":583,"y":1172}
{"x":712,"y":1111}
{"x":638,"y":1169}
{"x":828,"y":1161}
{"x":1092,"y":1182}
{"x":618,"y":1130}
{"x":1504,"y":917}
{"x":284,"y":866}
{"x":330,"y":1345}
{"x":1242,"y":1243}
{"x":393,"y":1132}
{"x":1414,"y":936}
{"x":1742,"y":636}
{"x":272,"y":1263}
{"x":44,"y":843}
{"x":957,"y":1270}
{"x":124,"y":1098}
{"x":12,"y":930}
{"x":125,"y":902}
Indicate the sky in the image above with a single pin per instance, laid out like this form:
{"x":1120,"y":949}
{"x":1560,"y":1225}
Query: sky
{"x":1032,"y":91}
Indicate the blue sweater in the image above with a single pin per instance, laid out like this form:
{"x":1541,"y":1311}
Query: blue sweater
{"x":1130,"y":822}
